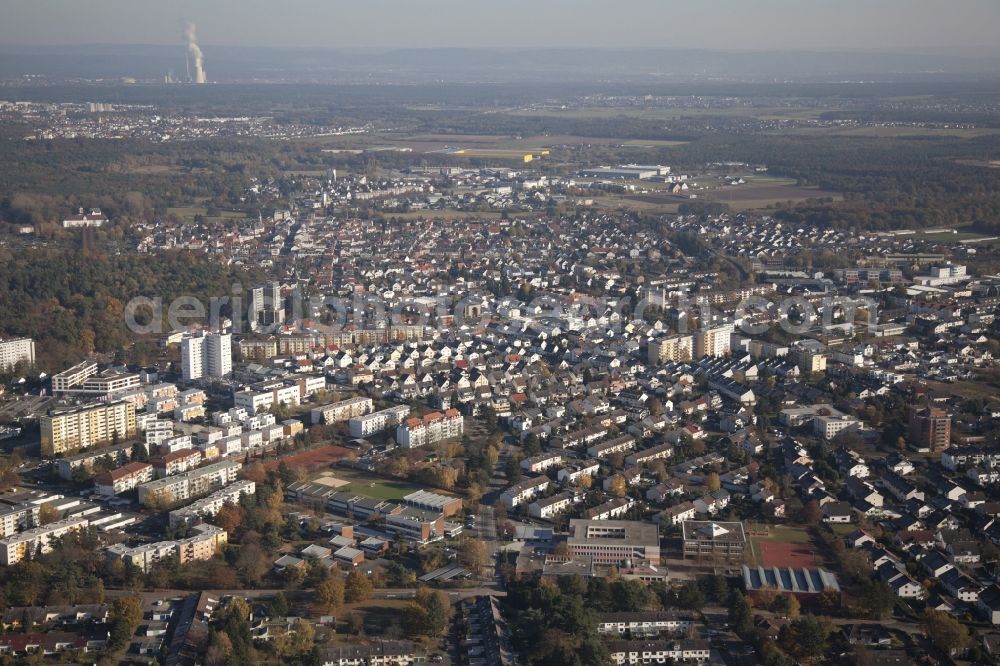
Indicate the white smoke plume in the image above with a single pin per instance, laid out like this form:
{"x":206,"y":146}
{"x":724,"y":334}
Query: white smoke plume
{"x":195,"y":52}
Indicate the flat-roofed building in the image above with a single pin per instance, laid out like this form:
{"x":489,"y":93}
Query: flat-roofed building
{"x":16,"y":350}
{"x":17,"y":547}
{"x":107,"y":385}
{"x":709,"y":538}
{"x":211,"y":505}
{"x":182,"y":487}
{"x":203,"y":545}
{"x":75,"y":376}
{"x":376,"y":422}
{"x":85,"y":427}
{"x":341,"y":411}
{"x":428,"y":501}
{"x":672,"y":349}
{"x":614,"y":541}
{"x":112,"y":455}
{"x":713,"y":341}
{"x":18,"y":516}
{"x":176,"y":462}
{"x":415,"y":524}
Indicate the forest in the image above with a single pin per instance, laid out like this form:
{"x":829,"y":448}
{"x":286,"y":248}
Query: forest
{"x":72,"y":304}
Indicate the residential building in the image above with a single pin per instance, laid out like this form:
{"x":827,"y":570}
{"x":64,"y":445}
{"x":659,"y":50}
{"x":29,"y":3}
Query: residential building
{"x":73,"y":377}
{"x":673,"y":349}
{"x":87,"y":426}
{"x":203,"y":545}
{"x":182,"y":487}
{"x":658,"y":652}
{"x":207,"y":355}
{"x":123,"y":479}
{"x":524,"y":491}
{"x":342,"y":410}
{"x":432,"y":428}
{"x":549,"y":507}
{"x":15,"y":548}
{"x":712,"y":341}
{"x":930,"y":428}
{"x":376,"y":422}
{"x":267,"y":307}
{"x":16,"y":350}
{"x":209,"y":506}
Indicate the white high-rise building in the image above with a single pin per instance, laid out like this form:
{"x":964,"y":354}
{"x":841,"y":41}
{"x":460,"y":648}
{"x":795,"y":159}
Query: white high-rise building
{"x":15,"y":351}
{"x":193,"y":357}
{"x":219,"y":354}
{"x":266,"y":305}
{"x":207,"y":355}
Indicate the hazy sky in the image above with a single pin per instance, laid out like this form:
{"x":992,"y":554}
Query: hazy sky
{"x":908,"y":25}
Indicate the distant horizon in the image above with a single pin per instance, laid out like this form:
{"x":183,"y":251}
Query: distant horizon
{"x":967,"y":28}
{"x":969,"y":54}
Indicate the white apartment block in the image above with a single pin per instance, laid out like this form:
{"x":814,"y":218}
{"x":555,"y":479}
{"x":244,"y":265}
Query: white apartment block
{"x":549,"y":507}
{"x":18,"y":517}
{"x":432,"y":428}
{"x":73,"y":377}
{"x":342,"y":411}
{"x":209,"y":506}
{"x":207,"y":355}
{"x":202,"y":546}
{"x":15,"y":548}
{"x":183,"y":487}
{"x":542,"y":462}
{"x":376,"y":422}
{"x":18,"y":350}
{"x":524,"y":491}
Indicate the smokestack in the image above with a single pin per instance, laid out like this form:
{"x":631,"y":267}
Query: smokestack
{"x":194,"y":51}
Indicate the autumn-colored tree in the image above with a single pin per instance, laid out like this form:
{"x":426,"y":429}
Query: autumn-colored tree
{"x":617,"y":486}
{"x":712,"y":482}
{"x":945,"y":632}
{"x":330,"y":594}
{"x":472,"y":554}
{"x":252,"y":563}
{"x":358,"y":587}
{"x":220,"y":649}
{"x":48,"y":514}
{"x":230,"y":518}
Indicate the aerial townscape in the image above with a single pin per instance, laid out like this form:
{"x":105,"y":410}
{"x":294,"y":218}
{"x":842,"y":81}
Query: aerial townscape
{"x":441,"y":353}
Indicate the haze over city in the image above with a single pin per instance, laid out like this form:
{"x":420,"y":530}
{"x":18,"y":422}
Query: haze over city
{"x":960,"y":27}
{"x":554,"y":333}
